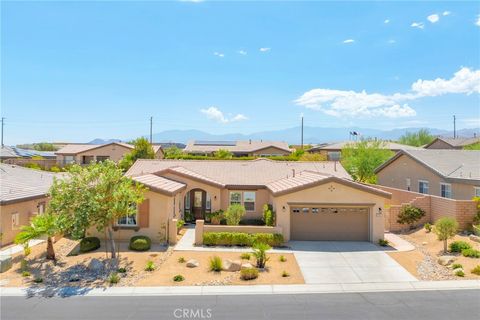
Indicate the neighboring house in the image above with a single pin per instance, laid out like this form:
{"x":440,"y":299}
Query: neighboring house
{"x":23,"y":157}
{"x":23,"y":194}
{"x":248,"y":148}
{"x":85,"y":153}
{"x":447,"y":173}
{"x":312,"y":200}
{"x":333,"y":151}
{"x":451,"y":143}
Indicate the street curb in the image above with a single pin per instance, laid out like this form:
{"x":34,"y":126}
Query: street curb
{"x":243,"y":290}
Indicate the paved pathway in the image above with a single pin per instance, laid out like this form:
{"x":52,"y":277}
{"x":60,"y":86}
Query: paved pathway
{"x":398,"y":243}
{"x":11,"y":250}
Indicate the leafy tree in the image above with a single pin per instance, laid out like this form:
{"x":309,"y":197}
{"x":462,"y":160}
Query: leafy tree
{"x":96,"y":195}
{"x":475,"y":146}
{"x":223,"y":154}
{"x":417,"y":139}
{"x":361,"y":158}
{"x":234,"y":214}
{"x":446,"y":228}
{"x":173,"y":152}
{"x":409,"y":215}
{"x":142,"y":150}
{"x":41,"y":225}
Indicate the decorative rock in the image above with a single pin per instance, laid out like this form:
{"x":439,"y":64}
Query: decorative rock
{"x":474,"y":238}
{"x":192,"y":263}
{"x":424,"y":243}
{"x":5,"y":262}
{"x":229,"y":265}
{"x":95,"y":265}
{"x":247,"y":265}
{"x":446,"y":260}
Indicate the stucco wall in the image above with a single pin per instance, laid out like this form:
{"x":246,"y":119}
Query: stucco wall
{"x":439,"y":144}
{"x":395,"y":174}
{"x":270,"y":150}
{"x":26,"y":210}
{"x":334,"y":194}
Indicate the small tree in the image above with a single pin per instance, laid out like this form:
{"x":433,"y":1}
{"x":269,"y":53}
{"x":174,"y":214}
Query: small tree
{"x":142,"y":150}
{"x":260,"y":253}
{"x":172,"y":152}
{"x":409,"y":215}
{"x":41,"y":225}
{"x":223,"y":154}
{"x":446,"y":228}
{"x":417,"y":139}
{"x":234,"y":214}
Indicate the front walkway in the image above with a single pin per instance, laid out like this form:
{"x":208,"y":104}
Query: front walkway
{"x":11,"y":250}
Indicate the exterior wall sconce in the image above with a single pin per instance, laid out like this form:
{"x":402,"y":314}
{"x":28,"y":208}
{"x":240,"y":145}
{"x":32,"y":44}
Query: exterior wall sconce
{"x":283,"y":208}
{"x":379,"y":212}
{"x":214,"y":197}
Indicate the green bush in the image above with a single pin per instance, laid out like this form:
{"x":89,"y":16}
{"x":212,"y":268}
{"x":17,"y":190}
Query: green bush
{"x":25,"y":274}
{"x":215,"y":217}
{"x":88,"y":244}
{"x":122,"y":270}
{"x":181,"y":260}
{"x":471,"y":253}
{"x":383,"y":242}
{"x":476,"y":270}
{"x":260,"y":253}
{"x":140,"y":243}
{"x":216,"y":264}
{"x":428,"y":227}
{"x":445,"y":228}
{"x":55,"y":169}
{"x":252,"y":222}
{"x":285,"y":274}
{"x":460,"y":273}
{"x":241,"y":239}
{"x":234,"y":214}
{"x":245,"y":256}
{"x":267,"y":215}
{"x":113,"y":278}
{"x":150,"y":266}
{"x":456,"y":266}
{"x":409,"y":215}
{"x":178,"y":278}
{"x":180,"y":224}
{"x":458,"y":246}
{"x":282,"y":258}
{"x":35,"y":166}
{"x":38,"y":280}
{"x":249,"y":274}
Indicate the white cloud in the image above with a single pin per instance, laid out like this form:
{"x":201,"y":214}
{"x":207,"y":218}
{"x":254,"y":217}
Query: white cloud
{"x":349,"y":41}
{"x":478,"y":20}
{"x":418,"y":25}
{"x":391,"y":41}
{"x":446,"y":13}
{"x":242,"y":52}
{"x":218,"y":54}
{"x":215,"y":114}
{"x":433,"y":18}
{"x":342,"y":103}
{"x":471,"y":122}
{"x":265,"y":49}
{"x":386,"y":21}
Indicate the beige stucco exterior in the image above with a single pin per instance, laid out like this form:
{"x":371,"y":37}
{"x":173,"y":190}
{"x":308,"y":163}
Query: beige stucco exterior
{"x":439,"y":144}
{"x":269,"y":151}
{"x":25,"y":210}
{"x":395,"y":175}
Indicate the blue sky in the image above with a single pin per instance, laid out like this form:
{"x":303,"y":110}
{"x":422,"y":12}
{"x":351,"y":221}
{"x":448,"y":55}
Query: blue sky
{"x":77,"y":71}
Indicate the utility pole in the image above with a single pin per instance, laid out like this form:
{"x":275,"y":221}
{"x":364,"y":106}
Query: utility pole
{"x":151,"y":126}
{"x":302,"y":131}
{"x":3,"y":122}
{"x":454,"y":127}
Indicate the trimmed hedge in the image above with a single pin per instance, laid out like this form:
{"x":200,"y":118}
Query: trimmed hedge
{"x":140,"y":243}
{"x":88,"y":244}
{"x":241,"y":239}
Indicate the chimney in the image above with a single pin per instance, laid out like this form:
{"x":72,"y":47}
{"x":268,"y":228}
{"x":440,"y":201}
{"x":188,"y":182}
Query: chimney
{"x":293,"y":173}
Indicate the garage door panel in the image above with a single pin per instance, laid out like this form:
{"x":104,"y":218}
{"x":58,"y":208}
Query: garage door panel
{"x":337,"y":224}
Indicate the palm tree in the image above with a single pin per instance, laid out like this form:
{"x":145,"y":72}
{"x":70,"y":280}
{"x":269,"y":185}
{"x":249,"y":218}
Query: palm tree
{"x":41,"y":225}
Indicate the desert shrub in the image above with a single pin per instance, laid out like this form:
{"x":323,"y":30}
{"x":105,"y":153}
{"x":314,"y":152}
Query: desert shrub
{"x":285,"y":274}
{"x":245,"y":256}
{"x":249,"y":274}
{"x":180,"y":224}
{"x":458,"y":246}
{"x":460,"y":273}
{"x":446,"y":228}
{"x":113,"y":278}
{"x":216,"y":264}
{"x":428,"y":227}
{"x":181,"y":260}
{"x":150,"y":266}
{"x":178,"y":278}
{"x":35,"y":166}
{"x":282,"y":258}
{"x":476,"y":270}
{"x":122,"y":270}
{"x":25,"y":274}
{"x":140,"y":243}
{"x":456,"y":266}
{"x":471,"y":253}
{"x":252,"y":222}
{"x":89,"y":244}
{"x":409,"y":215}
{"x":234,"y":214}
{"x":267,"y":215}
{"x":55,"y":169}
{"x":38,"y":280}
{"x":260,"y":253}
{"x":383,"y":242}
{"x":26,"y":250}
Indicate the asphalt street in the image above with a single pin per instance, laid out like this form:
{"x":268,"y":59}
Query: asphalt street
{"x":441,"y":304}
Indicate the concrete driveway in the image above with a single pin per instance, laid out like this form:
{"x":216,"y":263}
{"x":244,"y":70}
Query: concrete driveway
{"x":346,"y":262}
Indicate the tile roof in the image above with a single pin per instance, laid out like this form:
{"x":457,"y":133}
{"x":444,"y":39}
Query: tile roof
{"x":458,"y":142}
{"x":241,"y":146}
{"x":448,"y":163}
{"x":77,"y":148}
{"x":257,"y":172}
{"x":19,"y":183}
{"x":14,"y":152}
{"x":160,"y":183}
{"x":388,"y":145}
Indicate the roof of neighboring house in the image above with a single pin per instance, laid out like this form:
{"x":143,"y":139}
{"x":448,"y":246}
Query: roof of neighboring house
{"x":450,"y":164}
{"x":21,"y":184}
{"x":234,"y":146}
{"x":457,"y":142}
{"x":78,"y":148}
{"x":340,"y":145}
{"x":160,"y":184}
{"x":14,"y":152}
{"x":8,"y":152}
{"x":257,"y":172}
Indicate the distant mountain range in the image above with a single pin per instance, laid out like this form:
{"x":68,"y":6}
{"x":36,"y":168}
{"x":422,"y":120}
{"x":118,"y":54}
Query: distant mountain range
{"x":292,"y":135}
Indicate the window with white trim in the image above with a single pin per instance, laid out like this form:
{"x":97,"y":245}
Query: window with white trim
{"x":128,"y":221}
{"x":249,"y":201}
{"x":446,"y":190}
{"x":477,"y":191}
{"x":423,"y":186}
{"x":41,"y":208}
{"x":235,"y":197}
{"x":15,"y":220}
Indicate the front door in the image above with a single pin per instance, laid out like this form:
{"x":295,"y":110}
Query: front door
{"x":198,"y":204}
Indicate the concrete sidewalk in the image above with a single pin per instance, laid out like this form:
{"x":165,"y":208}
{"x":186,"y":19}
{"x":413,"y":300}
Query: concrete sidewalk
{"x":244,"y":290}
{"x":18,"y":248}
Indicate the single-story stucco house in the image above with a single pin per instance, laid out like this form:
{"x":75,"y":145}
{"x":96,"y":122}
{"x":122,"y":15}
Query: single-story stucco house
{"x":23,"y":195}
{"x":85,"y":153}
{"x":451,"y":174}
{"x":246,"y":148}
{"x":312,"y":200}
{"x":452,"y":143}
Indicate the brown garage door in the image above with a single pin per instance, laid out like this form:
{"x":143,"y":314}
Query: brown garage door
{"x":321,"y":223}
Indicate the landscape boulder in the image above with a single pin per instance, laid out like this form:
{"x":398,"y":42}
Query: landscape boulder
{"x":247,"y":265}
{"x":95,"y":265}
{"x":446,"y":260}
{"x":232,"y":265}
{"x":5,"y":262}
{"x":474,"y":238}
{"x":192,"y":263}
